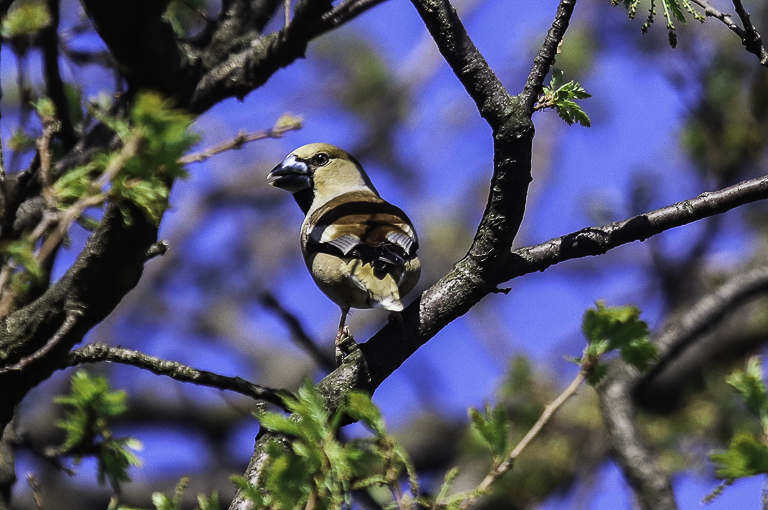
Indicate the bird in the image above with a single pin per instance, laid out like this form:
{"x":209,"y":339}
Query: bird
{"x":360,"y":250}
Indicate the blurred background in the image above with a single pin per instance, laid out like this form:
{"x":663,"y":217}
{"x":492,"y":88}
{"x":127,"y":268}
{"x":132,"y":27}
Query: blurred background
{"x":233,"y":296}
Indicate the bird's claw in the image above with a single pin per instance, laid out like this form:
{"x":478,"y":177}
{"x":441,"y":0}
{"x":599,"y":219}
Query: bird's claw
{"x":345,"y":344}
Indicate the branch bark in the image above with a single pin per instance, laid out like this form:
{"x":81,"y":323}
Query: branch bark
{"x":94,"y":353}
{"x":651,"y":485}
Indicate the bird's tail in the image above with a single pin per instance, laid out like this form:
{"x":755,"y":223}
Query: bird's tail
{"x":383,"y":291}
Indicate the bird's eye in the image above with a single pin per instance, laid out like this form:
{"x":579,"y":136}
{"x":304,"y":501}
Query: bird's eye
{"x":320,"y":159}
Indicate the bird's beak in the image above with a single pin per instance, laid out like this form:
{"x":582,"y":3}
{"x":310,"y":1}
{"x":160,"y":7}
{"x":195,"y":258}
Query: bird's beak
{"x":291,"y":175}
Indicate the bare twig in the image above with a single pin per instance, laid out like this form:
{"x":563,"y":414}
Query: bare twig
{"x":69,"y":322}
{"x":287,"y":11}
{"x":345,"y":11}
{"x":749,"y":36}
{"x":498,"y":470}
{"x":65,"y":219}
{"x":284,"y":124}
{"x":299,"y":334}
{"x":94,"y":353}
{"x":752,"y":40}
{"x":36,"y":493}
{"x":546,"y":57}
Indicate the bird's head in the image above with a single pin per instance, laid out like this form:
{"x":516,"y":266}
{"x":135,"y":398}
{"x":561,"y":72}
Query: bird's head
{"x":322,"y":169}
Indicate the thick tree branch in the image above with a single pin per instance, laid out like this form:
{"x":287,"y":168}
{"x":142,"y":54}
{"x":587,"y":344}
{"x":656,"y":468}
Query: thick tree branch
{"x":598,"y":240}
{"x":650,"y":484}
{"x":89,"y":286}
{"x":479,"y":272}
{"x":492,"y":100}
{"x":154,"y":60}
{"x":681,"y":350}
{"x":241,"y":70}
{"x":54,"y":87}
{"x":95,"y":353}
{"x":648,"y":481}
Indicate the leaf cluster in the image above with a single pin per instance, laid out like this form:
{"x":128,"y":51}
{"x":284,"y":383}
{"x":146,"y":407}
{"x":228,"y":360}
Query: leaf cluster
{"x":674,"y":10}
{"x":144,"y":178}
{"x":615,"y":329}
{"x":562,"y":97}
{"x":25,"y":19}
{"x":22,"y":251}
{"x":164,"y":502}
{"x":316,"y":469}
{"x":90,"y":404}
{"x":747,"y":454}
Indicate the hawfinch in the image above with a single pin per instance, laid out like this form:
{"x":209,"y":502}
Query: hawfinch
{"x":360,"y":249}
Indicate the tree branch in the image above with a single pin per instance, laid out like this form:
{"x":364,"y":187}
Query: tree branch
{"x":750,"y":38}
{"x":54,"y":87}
{"x":322,"y":358}
{"x":155,"y":60}
{"x":284,"y":124}
{"x":492,"y":100}
{"x":239,"y":72}
{"x":677,"y":339}
{"x":546,"y":56}
{"x":94,"y":353}
{"x":598,"y":240}
{"x":648,"y":481}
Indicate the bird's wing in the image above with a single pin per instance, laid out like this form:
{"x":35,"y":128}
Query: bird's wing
{"x":360,"y":224}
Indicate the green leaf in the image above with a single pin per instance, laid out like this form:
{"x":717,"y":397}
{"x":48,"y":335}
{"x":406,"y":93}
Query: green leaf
{"x":597,"y":374}
{"x":77,"y":183}
{"x":250,"y":492}
{"x":288,"y":479}
{"x":115,"y":458}
{"x":640,"y":353}
{"x":745,"y":456}
{"x":22,"y":251}
{"x":618,"y":328}
{"x":563,"y":96}
{"x":209,"y":503}
{"x":90,"y":404}
{"x":751,"y":386}
{"x":279,"y":423}
{"x":674,"y":10}
{"x":445,"y":488}
{"x":359,"y":406}
{"x":21,"y":141}
{"x":26,"y":18}
{"x":45,"y":108}
{"x":492,"y":427}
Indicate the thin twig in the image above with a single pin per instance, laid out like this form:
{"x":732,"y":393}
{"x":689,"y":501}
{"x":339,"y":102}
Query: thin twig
{"x":69,"y":322}
{"x":345,"y":11}
{"x":749,"y":36}
{"x":95,"y":353}
{"x":50,"y":127}
{"x":284,"y":124}
{"x":500,"y":469}
{"x":64,"y":221}
{"x":299,"y":334}
{"x":287,"y":11}
{"x":546,"y":57}
{"x":752,"y":42}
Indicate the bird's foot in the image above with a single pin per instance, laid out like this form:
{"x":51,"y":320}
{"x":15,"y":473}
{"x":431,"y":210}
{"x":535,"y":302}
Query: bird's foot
{"x":345,"y":344}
